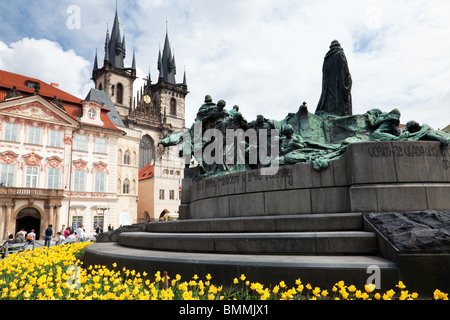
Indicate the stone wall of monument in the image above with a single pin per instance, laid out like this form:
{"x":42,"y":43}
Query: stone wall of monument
{"x":368,"y":177}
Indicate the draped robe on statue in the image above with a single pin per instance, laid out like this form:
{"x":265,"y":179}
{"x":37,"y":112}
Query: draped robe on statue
{"x":336,"y":98}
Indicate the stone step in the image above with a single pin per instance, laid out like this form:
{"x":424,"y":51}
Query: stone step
{"x":305,"y":243}
{"x":285,"y":223}
{"x":322,"y":271}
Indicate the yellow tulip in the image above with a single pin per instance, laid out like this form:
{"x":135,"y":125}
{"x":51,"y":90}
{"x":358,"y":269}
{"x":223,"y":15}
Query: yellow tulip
{"x":401,"y":285}
{"x":369,"y":287}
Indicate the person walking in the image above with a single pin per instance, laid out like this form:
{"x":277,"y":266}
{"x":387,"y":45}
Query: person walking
{"x":80,"y":233}
{"x":48,"y":233}
{"x":67,"y":232}
{"x":31,"y":237}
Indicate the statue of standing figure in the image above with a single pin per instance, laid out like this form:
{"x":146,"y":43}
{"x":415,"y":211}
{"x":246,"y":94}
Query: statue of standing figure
{"x":336,"y":98}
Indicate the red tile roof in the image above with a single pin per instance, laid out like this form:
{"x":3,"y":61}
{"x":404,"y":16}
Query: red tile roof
{"x":72,"y":104}
{"x":146,"y":172}
{"x":8,"y":80}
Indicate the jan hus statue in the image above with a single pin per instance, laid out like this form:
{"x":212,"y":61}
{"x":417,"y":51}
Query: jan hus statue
{"x":336,"y":98}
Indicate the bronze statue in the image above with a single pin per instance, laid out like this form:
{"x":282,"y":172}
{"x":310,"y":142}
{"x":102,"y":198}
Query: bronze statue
{"x":336,"y":98}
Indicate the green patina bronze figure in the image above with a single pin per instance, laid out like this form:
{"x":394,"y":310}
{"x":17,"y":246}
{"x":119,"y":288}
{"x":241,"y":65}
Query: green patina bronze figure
{"x":336,"y":98}
{"x":300,"y":137}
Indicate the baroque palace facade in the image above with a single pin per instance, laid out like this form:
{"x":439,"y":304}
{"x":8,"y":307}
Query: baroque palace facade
{"x":68,"y":161}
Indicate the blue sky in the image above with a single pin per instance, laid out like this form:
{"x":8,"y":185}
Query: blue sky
{"x":264,"y":55}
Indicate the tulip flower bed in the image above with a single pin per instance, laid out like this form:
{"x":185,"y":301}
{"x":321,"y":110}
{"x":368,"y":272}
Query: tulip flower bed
{"x":57,"y":273}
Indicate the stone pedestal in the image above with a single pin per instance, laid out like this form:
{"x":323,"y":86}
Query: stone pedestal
{"x":369,"y":177}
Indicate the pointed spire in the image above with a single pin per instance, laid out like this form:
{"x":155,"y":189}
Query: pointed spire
{"x":133,"y":63}
{"x":167,"y":61}
{"x":116,"y":50}
{"x":107,"y":42}
{"x":123,"y":42}
{"x":149,"y":79}
{"x":160,"y":66}
{"x":95,"y":61}
{"x":184,"y":77}
{"x":173,"y":64}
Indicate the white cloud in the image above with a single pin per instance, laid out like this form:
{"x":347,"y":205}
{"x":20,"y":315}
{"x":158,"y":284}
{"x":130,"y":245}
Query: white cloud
{"x":47,"y":61}
{"x":267,"y":55}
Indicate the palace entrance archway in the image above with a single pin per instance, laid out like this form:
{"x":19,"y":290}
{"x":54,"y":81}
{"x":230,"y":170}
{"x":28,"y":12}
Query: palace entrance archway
{"x":29,"y":218}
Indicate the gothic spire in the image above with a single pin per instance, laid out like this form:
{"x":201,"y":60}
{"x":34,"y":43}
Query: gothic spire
{"x":107,"y":43}
{"x":116,"y":50}
{"x":95,"y":61}
{"x":133,"y":63}
{"x":184,"y":78}
{"x":166,"y":62}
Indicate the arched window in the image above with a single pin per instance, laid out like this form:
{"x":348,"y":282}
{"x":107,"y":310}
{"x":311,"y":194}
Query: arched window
{"x":173,"y":106}
{"x":126,"y":186}
{"x":146,"y":153}
{"x":119,"y":93}
{"x":126,"y":157}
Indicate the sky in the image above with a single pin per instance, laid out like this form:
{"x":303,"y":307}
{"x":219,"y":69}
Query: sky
{"x":264,"y":55}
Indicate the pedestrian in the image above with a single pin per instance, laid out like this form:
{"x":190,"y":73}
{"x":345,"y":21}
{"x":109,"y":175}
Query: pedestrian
{"x":80,"y":233}
{"x":19,"y":238}
{"x":67,"y":232}
{"x":23,"y":232}
{"x":72,"y":236}
{"x":61,"y":238}
{"x":31,"y":237}
{"x":63,"y":228}
{"x":8,"y":242}
{"x":48,"y":233}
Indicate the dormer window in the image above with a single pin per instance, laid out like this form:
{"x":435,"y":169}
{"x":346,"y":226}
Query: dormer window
{"x":92,"y":113}
{"x":30,"y":84}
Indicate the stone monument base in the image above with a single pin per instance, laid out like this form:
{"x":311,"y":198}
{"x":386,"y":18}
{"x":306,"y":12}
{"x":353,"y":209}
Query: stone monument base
{"x":300,"y":223}
{"x":368,"y":177}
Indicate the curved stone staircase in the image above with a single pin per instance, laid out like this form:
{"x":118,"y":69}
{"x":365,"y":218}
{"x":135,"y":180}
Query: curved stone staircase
{"x":320,"y":249}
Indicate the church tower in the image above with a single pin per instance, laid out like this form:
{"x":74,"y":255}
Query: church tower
{"x":159,"y":109}
{"x":113,"y":77}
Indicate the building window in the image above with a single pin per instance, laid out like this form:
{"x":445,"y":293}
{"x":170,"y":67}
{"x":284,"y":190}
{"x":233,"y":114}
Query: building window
{"x":53,"y":178}
{"x":7,"y":175}
{"x":100,"y":178}
{"x":81,"y":142}
{"x":31,"y":177}
{"x":126,"y":157}
{"x":55,"y":138}
{"x":92,"y":113}
{"x":172,"y":194}
{"x":76,"y":222}
{"x":161,"y":194}
{"x":100,"y":145}
{"x":11,"y":130}
{"x":173,"y":106}
{"x":146,"y":147}
{"x":78,"y":180}
{"x":119,"y":93}
{"x":126,"y":186}
{"x":34,"y":135}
